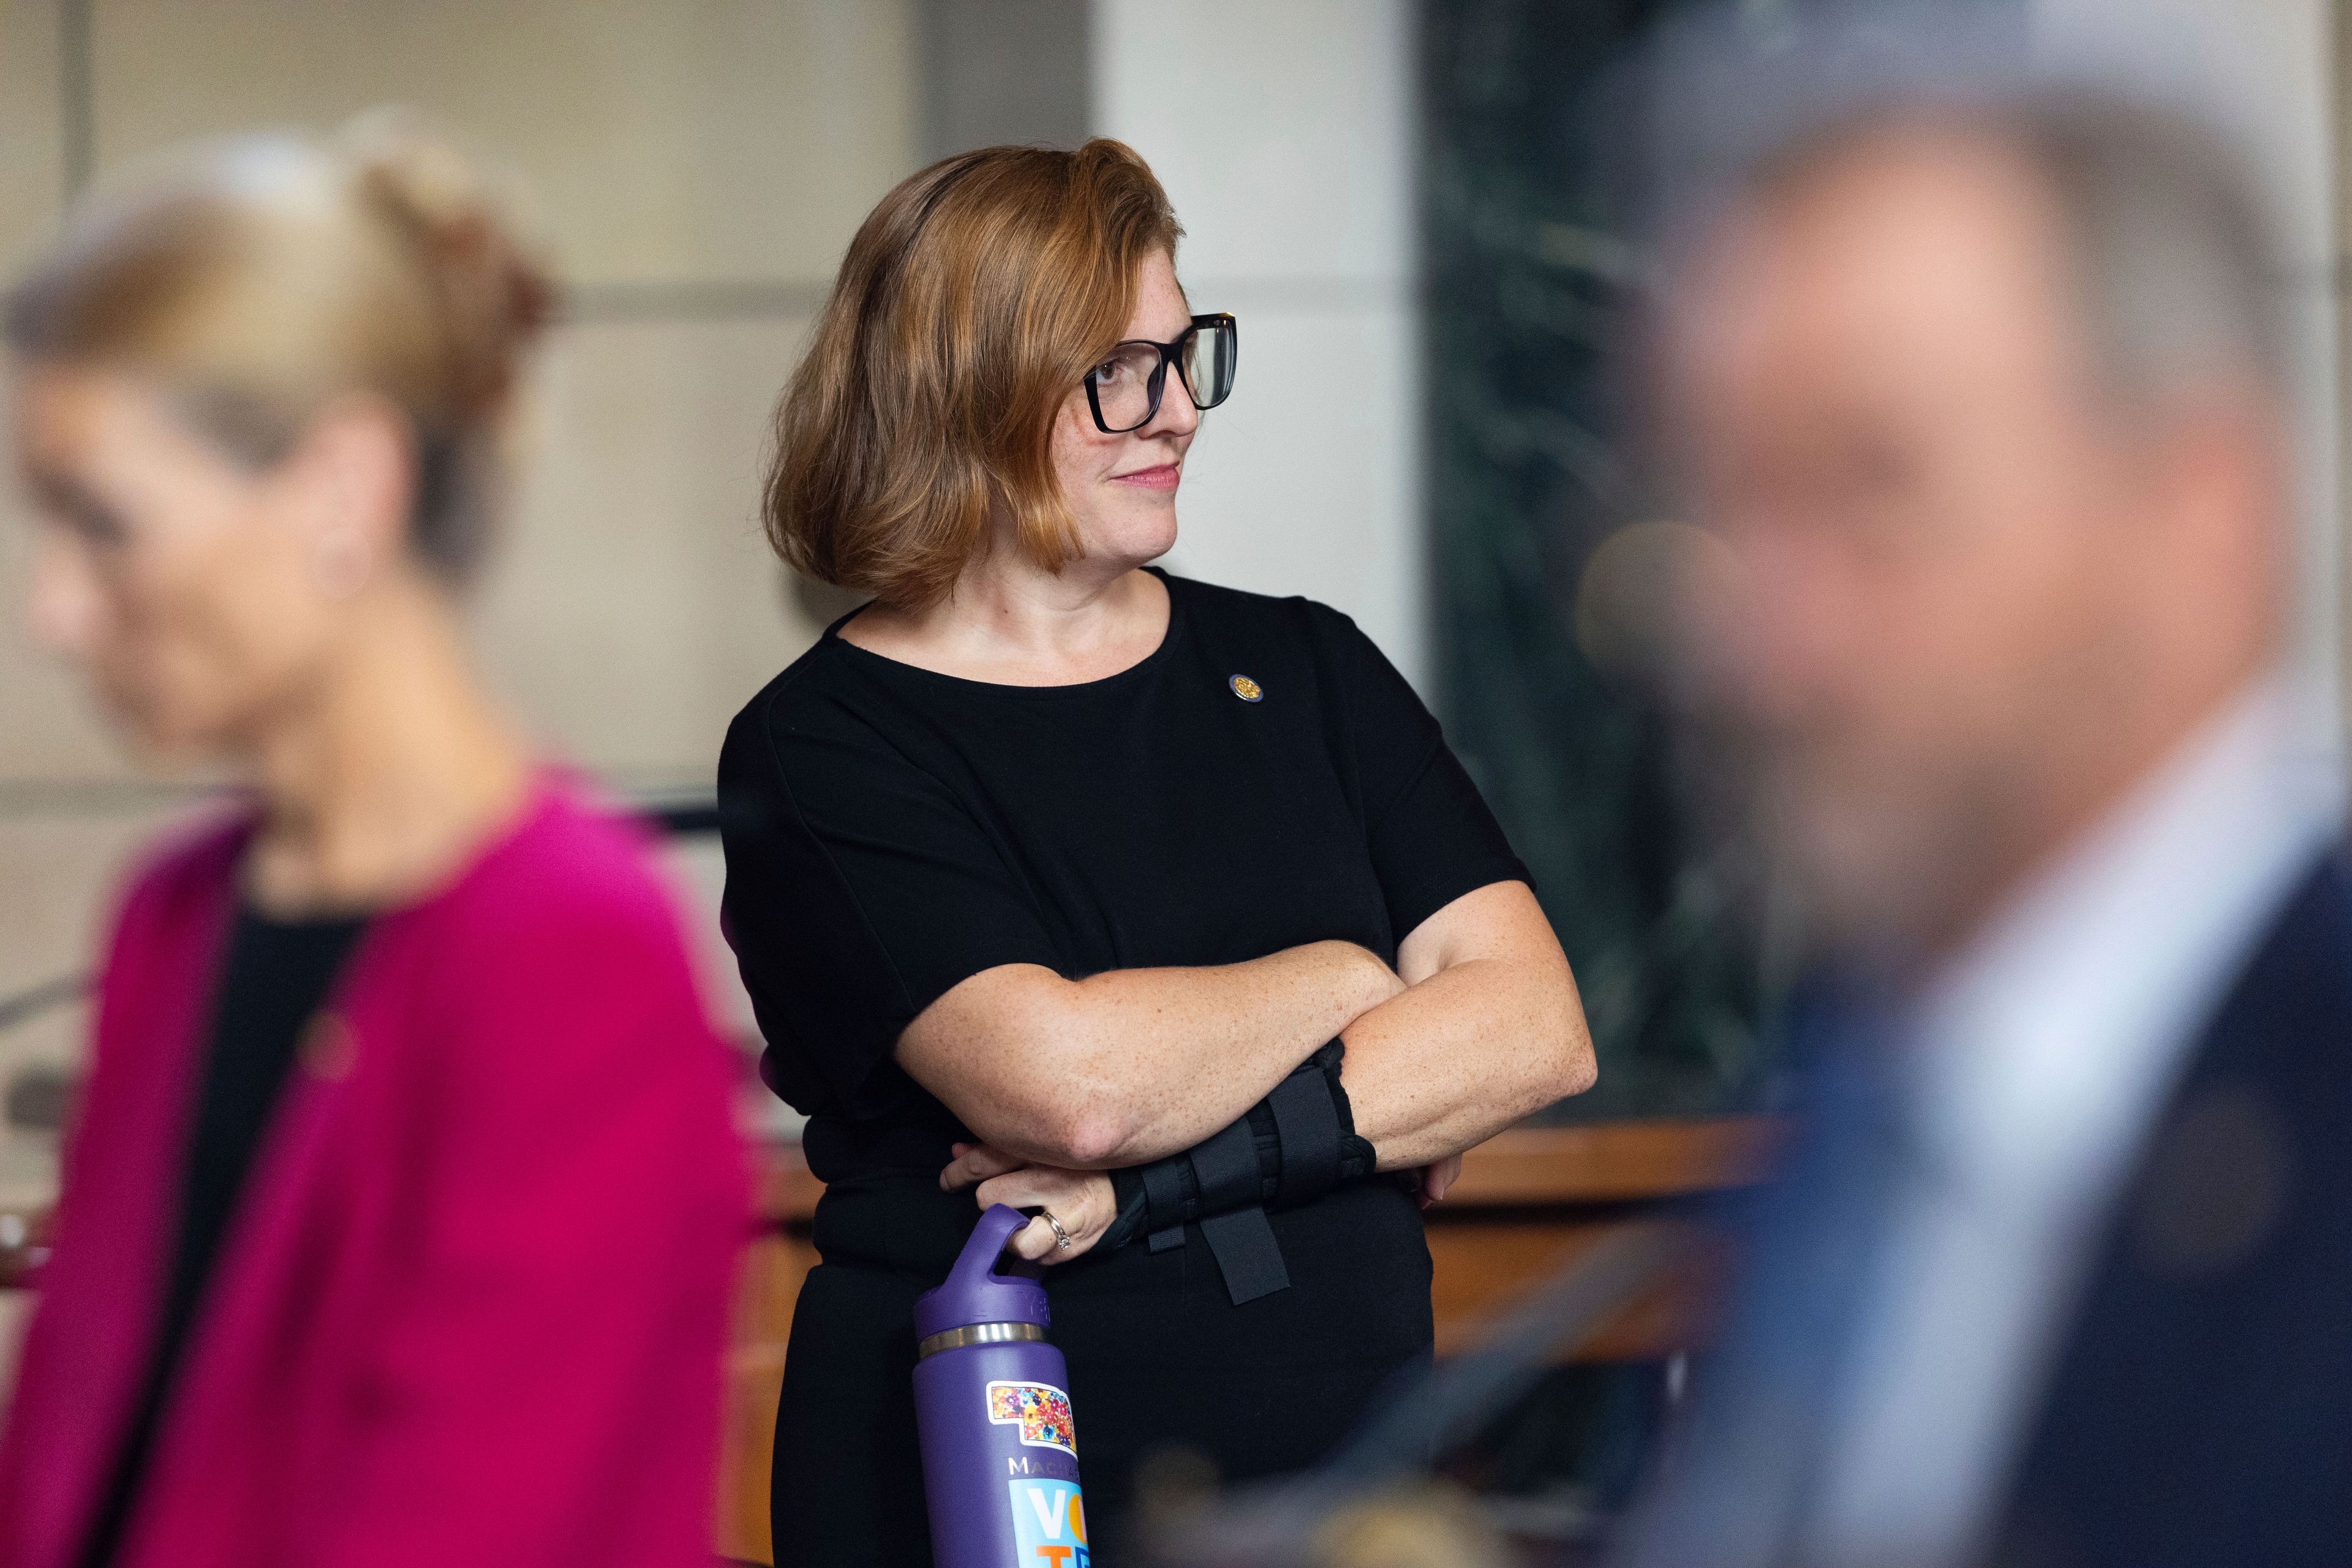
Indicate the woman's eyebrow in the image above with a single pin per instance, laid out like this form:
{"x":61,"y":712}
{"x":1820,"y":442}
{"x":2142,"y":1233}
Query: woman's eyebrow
{"x":55,"y":492}
{"x":66,"y":498}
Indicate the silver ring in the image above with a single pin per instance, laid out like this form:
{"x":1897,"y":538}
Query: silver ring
{"x":1061,"y":1237}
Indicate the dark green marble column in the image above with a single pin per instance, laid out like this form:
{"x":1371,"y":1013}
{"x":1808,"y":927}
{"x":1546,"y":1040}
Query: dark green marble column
{"x":1528,"y":206}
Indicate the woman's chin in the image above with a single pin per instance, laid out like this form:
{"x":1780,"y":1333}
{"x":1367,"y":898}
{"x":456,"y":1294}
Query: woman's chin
{"x":1139,"y":540}
{"x":170,"y":756}
{"x":171,"y":744}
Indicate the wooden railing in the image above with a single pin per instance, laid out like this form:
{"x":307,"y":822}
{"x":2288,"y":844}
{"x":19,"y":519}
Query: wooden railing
{"x":1529,"y":1201}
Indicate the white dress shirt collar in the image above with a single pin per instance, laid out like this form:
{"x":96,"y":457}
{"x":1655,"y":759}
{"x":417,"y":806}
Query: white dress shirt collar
{"x":2044,"y":1047}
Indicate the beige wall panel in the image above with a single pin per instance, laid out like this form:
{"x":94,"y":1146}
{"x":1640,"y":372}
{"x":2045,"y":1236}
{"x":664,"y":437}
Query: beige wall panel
{"x":636,"y":606}
{"x":59,"y":878}
{"x":1282,"y":132}
{"x":661,"y":141}
{"x":1348,"y":533}
{"x":1284,"y":135}
{"x":32,"y":165}
{"x":61,"y":872}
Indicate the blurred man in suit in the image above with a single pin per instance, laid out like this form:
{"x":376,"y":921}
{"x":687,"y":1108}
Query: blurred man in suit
{"x":1986,"y":400}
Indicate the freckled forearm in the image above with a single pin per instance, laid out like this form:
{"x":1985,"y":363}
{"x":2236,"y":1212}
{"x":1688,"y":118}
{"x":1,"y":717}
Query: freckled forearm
{"x":1456,"y":1059}
{"x":1124,"y":1067}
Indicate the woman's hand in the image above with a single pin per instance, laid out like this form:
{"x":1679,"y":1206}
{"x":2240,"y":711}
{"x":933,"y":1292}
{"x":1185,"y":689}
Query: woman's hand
{"x":1081,"y":1200}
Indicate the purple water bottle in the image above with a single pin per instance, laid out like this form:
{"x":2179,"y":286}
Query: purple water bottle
{"x":993,"y":1404}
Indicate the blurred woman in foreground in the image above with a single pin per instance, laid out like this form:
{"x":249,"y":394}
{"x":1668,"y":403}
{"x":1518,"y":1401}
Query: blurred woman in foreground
{"x":397,"y":1222}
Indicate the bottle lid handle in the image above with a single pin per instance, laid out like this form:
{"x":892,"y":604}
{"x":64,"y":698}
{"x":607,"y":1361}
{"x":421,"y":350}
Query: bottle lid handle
{"x":974,"y":1292}
{"x":977,"y":1263}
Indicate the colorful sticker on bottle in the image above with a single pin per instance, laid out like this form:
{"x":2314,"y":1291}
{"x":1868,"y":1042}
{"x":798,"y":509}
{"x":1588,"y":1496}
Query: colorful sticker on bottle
{"x":1049,"y":1524}
{"x":1039,"y":1409}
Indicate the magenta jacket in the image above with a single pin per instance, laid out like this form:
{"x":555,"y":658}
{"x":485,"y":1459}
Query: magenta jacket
{"x":470,"y":1308}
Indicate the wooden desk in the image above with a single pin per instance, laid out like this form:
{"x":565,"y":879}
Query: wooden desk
{"x":1529,"y":1200}
{"x":1532,"y":1198}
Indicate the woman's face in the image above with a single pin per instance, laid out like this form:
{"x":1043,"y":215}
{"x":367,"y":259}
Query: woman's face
{"x":187,"y":586}
{"x":1121,"y":490}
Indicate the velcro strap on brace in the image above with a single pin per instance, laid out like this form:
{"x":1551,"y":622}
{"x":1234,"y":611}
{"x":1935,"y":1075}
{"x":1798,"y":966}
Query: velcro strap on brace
{"x":1225,"y":1168}
{"x":1163,"y":1196}
{"x":1309,"y":1125}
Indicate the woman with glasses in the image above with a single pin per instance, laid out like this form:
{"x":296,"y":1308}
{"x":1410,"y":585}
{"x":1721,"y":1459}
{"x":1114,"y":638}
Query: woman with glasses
{"x":1157,"y":908}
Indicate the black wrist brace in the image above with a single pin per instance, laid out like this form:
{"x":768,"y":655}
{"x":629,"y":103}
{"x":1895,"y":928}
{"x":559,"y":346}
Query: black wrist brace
{"x":1291,"y":1148}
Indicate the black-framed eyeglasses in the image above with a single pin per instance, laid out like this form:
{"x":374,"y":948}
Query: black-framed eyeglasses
{"x":1123,"y":390}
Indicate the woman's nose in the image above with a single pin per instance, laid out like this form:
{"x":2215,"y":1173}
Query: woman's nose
{"x":64,"y":607}
{"x":1178,"y":415}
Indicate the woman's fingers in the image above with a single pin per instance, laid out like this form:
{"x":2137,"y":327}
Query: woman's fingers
{"x":1035,"y":1241}
{"x":975,"y":1162}
{"x":1081,"y":1200}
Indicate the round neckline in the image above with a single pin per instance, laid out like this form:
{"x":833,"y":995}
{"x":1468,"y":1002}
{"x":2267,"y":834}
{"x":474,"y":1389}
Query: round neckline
{"x":1168,"y":640}
{"x":543,"y":791}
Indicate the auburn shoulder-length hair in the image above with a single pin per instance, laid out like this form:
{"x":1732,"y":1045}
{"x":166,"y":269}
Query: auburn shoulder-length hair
{"x":969,"y":307}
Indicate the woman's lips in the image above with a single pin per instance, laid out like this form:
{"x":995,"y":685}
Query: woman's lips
{"x":1163,"y":477}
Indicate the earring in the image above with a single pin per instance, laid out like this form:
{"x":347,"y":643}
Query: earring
{"x":340,"y":565}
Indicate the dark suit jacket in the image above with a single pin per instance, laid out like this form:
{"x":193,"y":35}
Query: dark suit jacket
{"x":2202,"y":1411}
{"x":2199,"y":1412}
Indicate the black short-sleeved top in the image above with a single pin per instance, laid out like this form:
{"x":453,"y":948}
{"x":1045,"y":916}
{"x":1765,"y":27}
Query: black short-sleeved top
{"x":1263,"y":779}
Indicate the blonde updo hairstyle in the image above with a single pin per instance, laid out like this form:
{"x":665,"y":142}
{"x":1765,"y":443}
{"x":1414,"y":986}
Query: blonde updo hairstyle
{"x":257,"y":279}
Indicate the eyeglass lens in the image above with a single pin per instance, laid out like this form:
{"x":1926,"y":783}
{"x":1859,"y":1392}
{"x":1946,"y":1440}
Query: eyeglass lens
{"x":1129,"y":382}
{"x":1127,"y":385}
{"x":1209,"y":353}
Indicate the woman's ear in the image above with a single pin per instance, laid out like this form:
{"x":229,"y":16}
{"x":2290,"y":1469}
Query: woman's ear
{"x":348,"y":487}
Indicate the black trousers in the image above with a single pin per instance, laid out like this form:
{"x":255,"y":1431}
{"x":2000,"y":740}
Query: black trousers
{"x":1161,"y":1361}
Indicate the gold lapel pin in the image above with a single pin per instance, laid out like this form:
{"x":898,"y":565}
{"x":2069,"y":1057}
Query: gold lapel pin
{"x":328,"y":1049}
{"x":1245,"y":688}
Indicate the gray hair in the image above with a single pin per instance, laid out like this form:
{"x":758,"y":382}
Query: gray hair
{"x":2167,"y":228}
